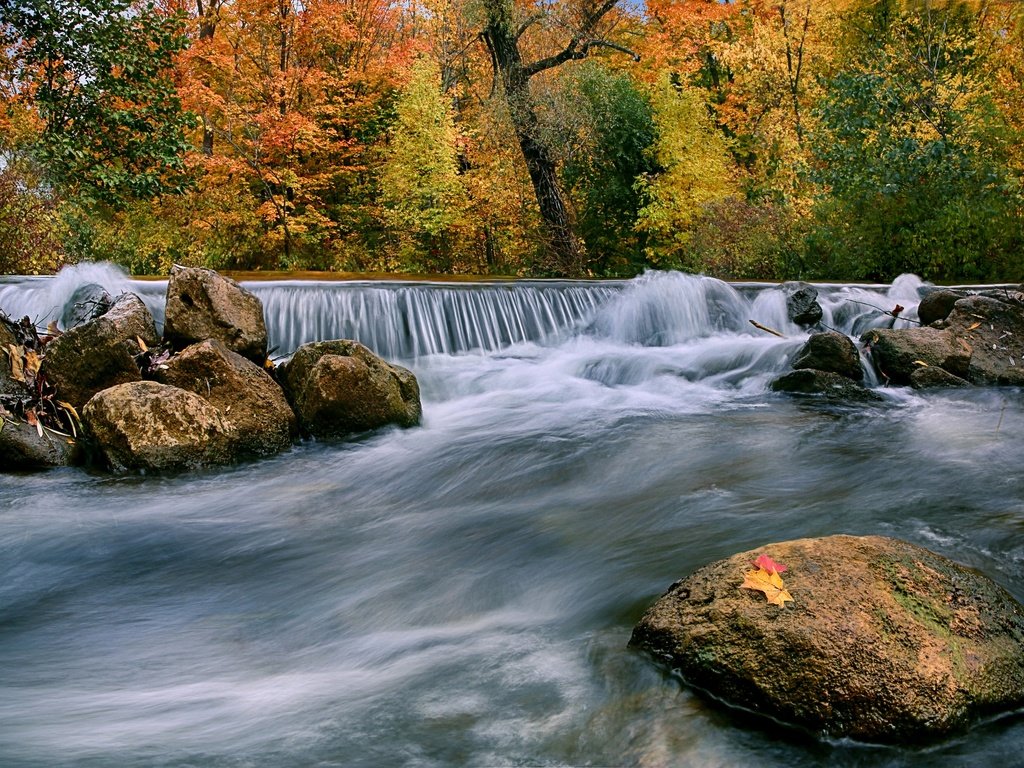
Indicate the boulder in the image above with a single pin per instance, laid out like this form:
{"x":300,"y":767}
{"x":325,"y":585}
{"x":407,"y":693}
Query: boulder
{"x":203,"y":305}
{"x":22,"y":447}
{"x":148,"y":426}
{"x":995,"y":331}
{"x":927,"y":377}
{"x":802,"y":303}
{"x":831,"y":351}
{"x":898,"y":353}
{"x":88,"y":302}
{"x":936,"y":305}
{"x":834,"y":386}
{"x":340,"y":387}
{"x":101,"y":353}
{"x":883,"y":641}
{"x":251,"y":404}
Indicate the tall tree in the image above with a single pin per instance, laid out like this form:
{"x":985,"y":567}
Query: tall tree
{"x":504,"y":30}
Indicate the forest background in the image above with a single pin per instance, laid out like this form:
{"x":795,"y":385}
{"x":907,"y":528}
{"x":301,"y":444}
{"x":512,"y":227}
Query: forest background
{"x":753,"y":139}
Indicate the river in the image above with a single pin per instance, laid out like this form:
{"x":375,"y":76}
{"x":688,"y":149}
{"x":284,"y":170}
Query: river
{"x":462,"y":593}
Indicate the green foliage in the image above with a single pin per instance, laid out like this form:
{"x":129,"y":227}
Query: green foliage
{"x":31,"y":235}
{"x":911,"y":158}
{"x":693,"y":170}
{"x":617,"y":132}
{"x":98,"y":74}
{"x":422,"y":193}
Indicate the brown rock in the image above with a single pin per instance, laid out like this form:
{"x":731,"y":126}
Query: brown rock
{"x":937,"y":305}
{"x":100,"y":353}
{"x":898,"y":353}
{"x":831,"y":351}
{"x":884,"y":641}
{"x":251,"y":404}
{"x":339,"y":387}
{"x":147,"y":426}
{"x":203,"y":305}
{"x":928,"y":377}
{"x":807,"y":381}
{"x":995,"y":331}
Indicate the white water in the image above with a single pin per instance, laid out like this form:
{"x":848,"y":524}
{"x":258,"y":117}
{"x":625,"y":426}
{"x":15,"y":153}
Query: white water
{"x":461,"y":594}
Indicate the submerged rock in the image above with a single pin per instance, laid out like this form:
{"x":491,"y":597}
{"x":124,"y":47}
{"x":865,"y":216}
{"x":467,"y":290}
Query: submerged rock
{"x":101,"y":353}
{"x":88,"y":302}
{"x":833,"y":352}
{"x":802,"y":303}
{"x":251,"y":404}
{"x":339,"y":387}
{"x":898,"y":353}
{"x":884,"y":641}
{"x":834,"y":386}
{"x":146,"y":425}
{"x":203,"y":305}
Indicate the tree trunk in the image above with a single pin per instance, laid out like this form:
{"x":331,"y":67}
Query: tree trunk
{"x":568,"y":251}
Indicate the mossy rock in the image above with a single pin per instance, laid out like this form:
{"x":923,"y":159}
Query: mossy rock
{"x":884,"y":641}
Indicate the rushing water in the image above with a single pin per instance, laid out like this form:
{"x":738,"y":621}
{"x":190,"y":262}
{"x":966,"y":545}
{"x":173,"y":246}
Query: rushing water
{"x":462,"y":593}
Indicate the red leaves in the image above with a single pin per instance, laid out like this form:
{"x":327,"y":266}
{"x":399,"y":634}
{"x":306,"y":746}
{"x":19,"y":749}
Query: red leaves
{"x":769,"y":565}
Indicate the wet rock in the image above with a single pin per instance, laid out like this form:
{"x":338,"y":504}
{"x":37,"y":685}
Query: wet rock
{"x":994,"y":330}
{"x":148,"y":426}
{"x":252,"y":406}
{"x":933,"y":378}
{"x":802,"y":303}
{"x":22,"y":447}
{"x":898,"y":353}
{"x":203,"y":305}
{"x":834,"y":386}
{"x":340,"y":387}
{"x":831,"y":351}
{"x":936,"y":305}
{"x":88,"y":302}
{"x":884,"y":641}
{"x":101,"y":353}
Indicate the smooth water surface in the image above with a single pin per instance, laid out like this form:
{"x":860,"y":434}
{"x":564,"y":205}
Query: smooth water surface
{"x":461,"y":594}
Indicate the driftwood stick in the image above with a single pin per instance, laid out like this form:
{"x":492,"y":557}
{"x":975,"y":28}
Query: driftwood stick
{"x":766,"y":329}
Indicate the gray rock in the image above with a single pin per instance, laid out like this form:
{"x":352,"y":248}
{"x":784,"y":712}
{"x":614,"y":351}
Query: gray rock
{"x":898,"y":353}
{"x":884,"y":641}
{"x":834,"y":386}
{"x":802,"y":303}
{"x":23,"y":448}
{"x":936,"y":305}
{"x":251,"y":404}
{"x":88,"y":302}
{"x":148,"y":426}
{"x":340,"y":387}
{"x":831,"y":351}
{"x":101,"y":353}
{"x":203,"y":305}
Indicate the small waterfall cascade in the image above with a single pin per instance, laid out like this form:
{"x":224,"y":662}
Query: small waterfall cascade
{"x":410,"y":321}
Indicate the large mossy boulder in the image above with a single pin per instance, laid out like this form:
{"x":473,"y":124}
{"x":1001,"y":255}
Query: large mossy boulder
{"x":100,"y":353}
{"x":202,"y":304}
{"x":251,"y":404}
{"x":994,"y":329}
{"x":340,"y":387}
{"x":898,"y":353}
{"x":833,"y":352}
{"x":884,"y":641}
{"x":149,"y":426}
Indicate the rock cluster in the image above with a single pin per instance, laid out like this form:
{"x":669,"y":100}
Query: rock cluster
{"x":204,"y":395}
{"x":828,"y":364}
{"x":883,"y":641}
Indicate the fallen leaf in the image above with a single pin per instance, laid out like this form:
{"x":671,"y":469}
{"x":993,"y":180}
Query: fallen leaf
{"x":17,"y":366}
{"x":769,"y":583}
{"x":921,"y":362}
{"x":32,"y":361}
{"x":52,"y":330}
{"x":30,"y":417}
{"x":973,"y":326}
{"x":142,"y":344}
{"x":769,"y":565}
